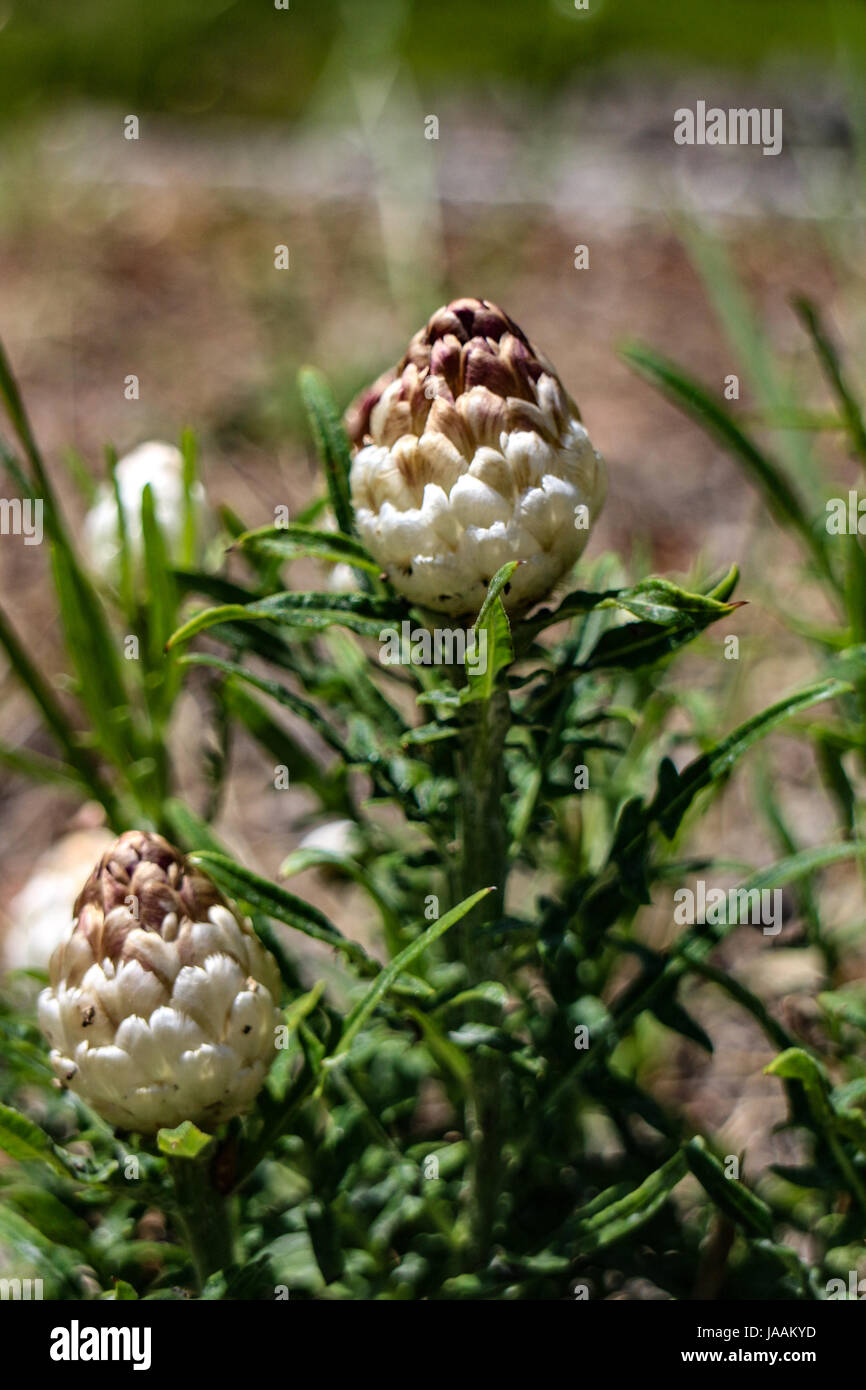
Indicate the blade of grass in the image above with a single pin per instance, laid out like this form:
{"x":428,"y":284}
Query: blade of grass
{"x":387,"y":977}
{"x":695,"y":401}
{"x":56,"y":720}
{"x":810,"y":317}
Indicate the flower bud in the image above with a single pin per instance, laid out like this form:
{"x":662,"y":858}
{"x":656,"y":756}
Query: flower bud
{"x":470,"y":453}
{"x":163,"y":1001}
{"x":160,"y":466}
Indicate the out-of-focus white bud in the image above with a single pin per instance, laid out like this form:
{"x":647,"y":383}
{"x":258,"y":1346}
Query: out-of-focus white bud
{"x":39,"y":914}
{"x":334,"y":837}
{"x":343,"y":579}
{"x":161,"y":466}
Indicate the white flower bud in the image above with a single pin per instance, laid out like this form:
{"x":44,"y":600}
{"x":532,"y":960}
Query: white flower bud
{"x":161,"y":466}
{"x":333,"y":837}
{"x":163,"y":1001}
{"x":470,"y":454}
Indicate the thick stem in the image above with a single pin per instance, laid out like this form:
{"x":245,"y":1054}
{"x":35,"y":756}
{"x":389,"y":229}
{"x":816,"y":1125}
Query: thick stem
{"x":205,"y":1217}
{"x":484,"y":861}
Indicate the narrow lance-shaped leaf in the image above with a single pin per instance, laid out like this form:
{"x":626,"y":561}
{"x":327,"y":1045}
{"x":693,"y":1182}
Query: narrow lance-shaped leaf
{"x":93,"y":652}
{"x":387,"y":977}
{"x":810,"y":316}
{"x":493,"y":647}
{"x":293,"y":541}
{"x":294,"y":703}
{"x":654,"y":599}
{"x":56,"y":720}
{"x":281,"y":744}
{"x":38,"y":767}
{"x":125,"y":563}
{"x":11,"y":397}
{"x":695,"y":401}
{"x":263,"y":896}
{"x":676,"y":790}
{"x":731,"y":1196}
{"x":360,"y":613}
{"x":23,"y":1140}
{"x":332,"y":443}
{"x":189,"y":453}
{"x":612,"y":1216}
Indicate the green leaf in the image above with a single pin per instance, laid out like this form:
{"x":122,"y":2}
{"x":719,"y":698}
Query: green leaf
{"x":845,"y":1006}
{"x":387,"y":977}
{"x":162,"y":598}
{"x":695,"y":401}
{"x":277,"y":692}
{"x":291,"y":542}
{"x":331,"y":441}
{"x":302,"y":859}
{"x":34,"y":1253}
{"x":637,"y":646}
{"x":731,"y":1196}
{"x":810,"y":316}
{"x":51,"y":711}
{"x":122,"y":1292}
{"x":676,"y":791}
{"x":37,"y":767}
{"x":493,"y":629}
{"x":11,"y":397}
{"x":189,"y":451}
{"x":325,"y":1239}
{"x":499,"y":583}
{"x":185,"y":1141}
{"x":801,"y":865}
{"x":49,"y":1215}
{"x":303,"y":1006}
{"x":15,"y":471}
{"x":429,"y":733}
{"x":282,"y":745}
{"x":189,"y":829}
{"x":771,"y":382}
{"x":675,"y":1017}
{"x":794,"y":1064}
{"x":654,"y":600}
{"x":126,"y":581}
{"x":92,"y":648}
{"x":263,"y":896}
{"x":314,"y":612}
{"x":612,"y":1216}
{"x":23,"y":1140}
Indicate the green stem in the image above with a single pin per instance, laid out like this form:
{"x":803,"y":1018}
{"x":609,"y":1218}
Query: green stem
{"x":484,"y":861}
{"x":204,"y":1216}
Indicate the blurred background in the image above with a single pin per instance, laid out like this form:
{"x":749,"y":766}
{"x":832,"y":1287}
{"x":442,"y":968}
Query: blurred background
{"x":307,"y":127}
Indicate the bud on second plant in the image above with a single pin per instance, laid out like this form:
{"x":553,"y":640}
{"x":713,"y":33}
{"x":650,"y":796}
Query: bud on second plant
{"x":163,"y":1001}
